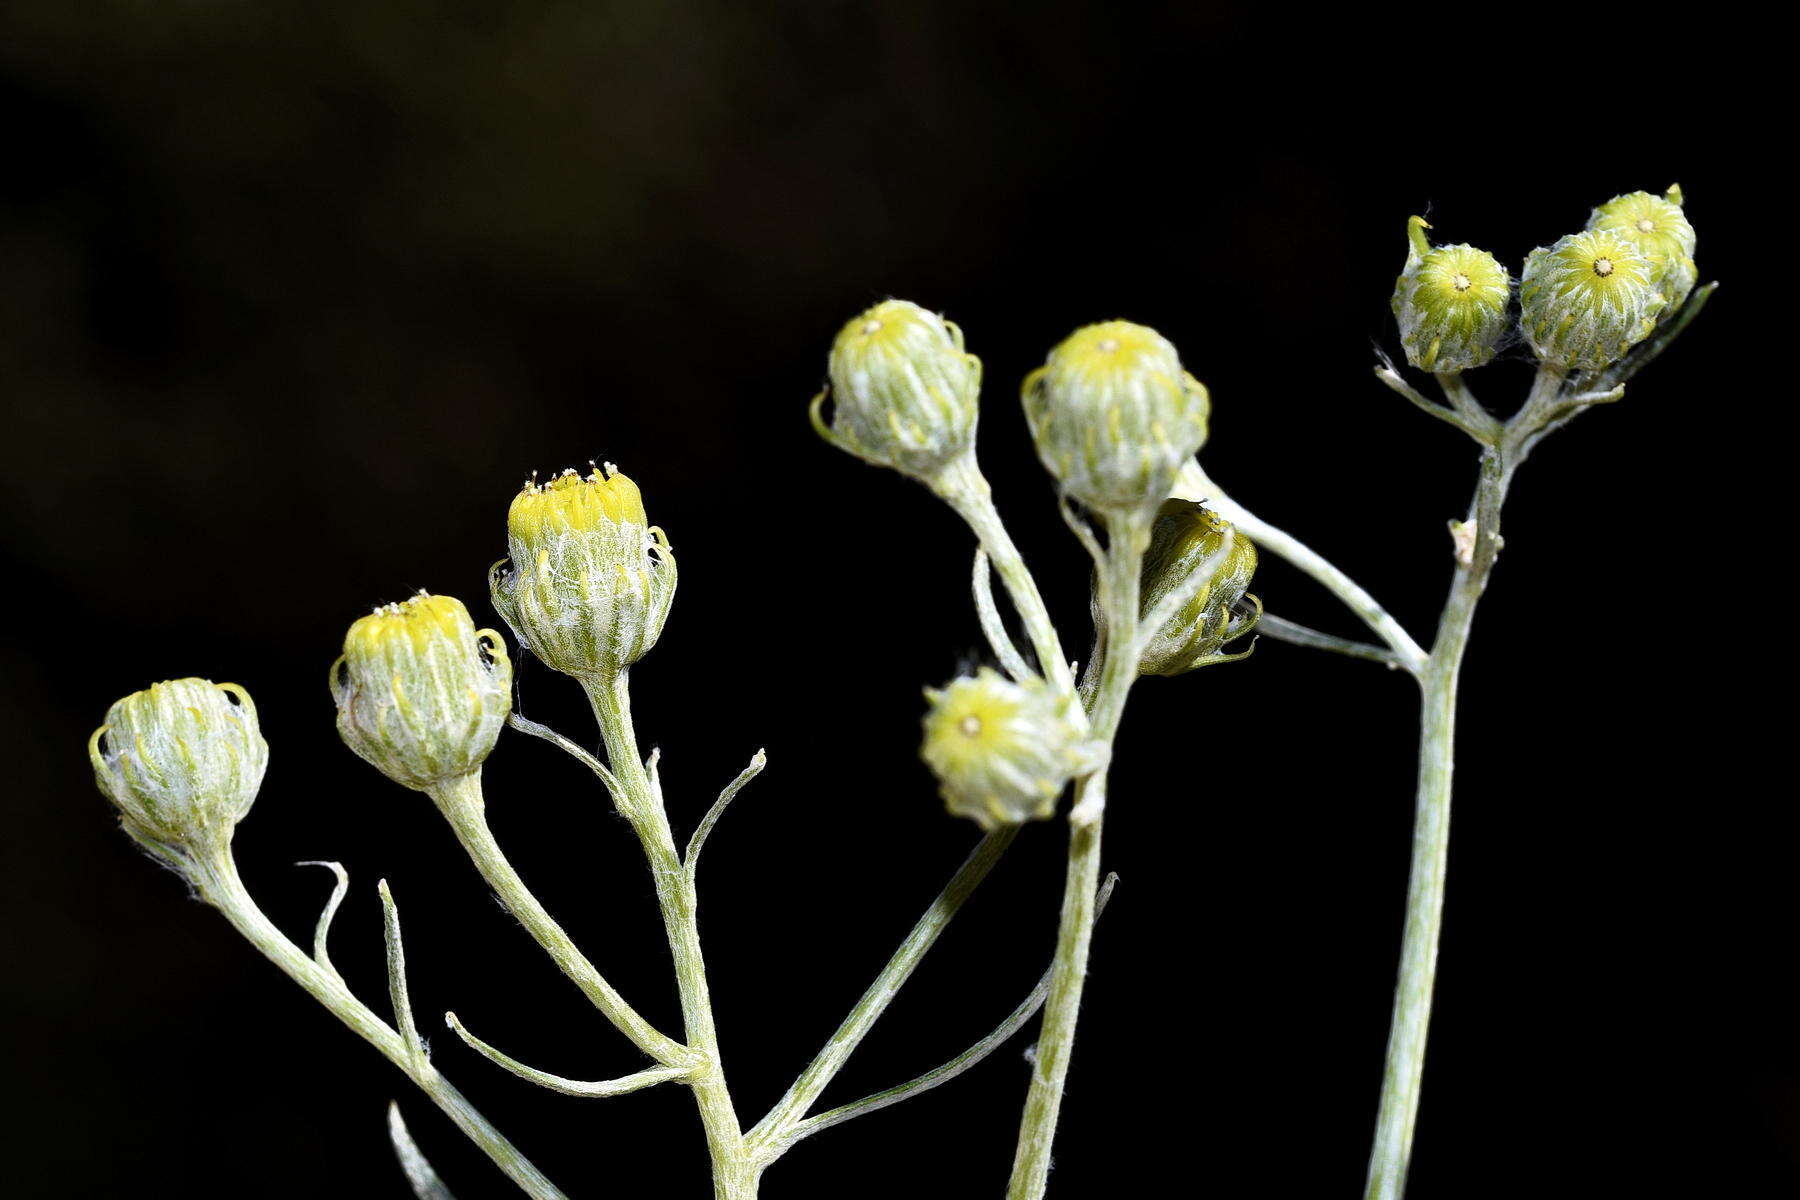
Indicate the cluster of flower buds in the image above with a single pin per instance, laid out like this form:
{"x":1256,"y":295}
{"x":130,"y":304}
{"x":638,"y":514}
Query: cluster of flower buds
{"x":1001,"y":750}
{"x":1189,"y":538}
{"x":589,"y":580}
{"x":904,"y":393}
{"x":1584,"y":300}
{"x":1450,"y":303}
{"x":421,"y":693}
{"x":1593,"y":295}
{"x":1115,"y":416}
{"x":182,"y":761}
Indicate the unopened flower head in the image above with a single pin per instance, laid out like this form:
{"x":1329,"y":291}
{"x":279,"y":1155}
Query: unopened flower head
{"x":1189,"y":538}
{"x":1450,"y":303}
{"x":1001,"y":751}
{"x":903,"y":391}
{"x":588,"y":582}
{"x":1662,"y":231}
{"x":182,"y":761}
{"x":1114,"y":416}
{"x":421,"y":693}
{"x":1588,"y":299}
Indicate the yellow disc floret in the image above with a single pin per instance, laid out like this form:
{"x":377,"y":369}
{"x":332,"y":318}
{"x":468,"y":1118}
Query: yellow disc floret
{"x":421,"y":693}
{"x":407,"y":628}
{"x":1001,"y":751}
{"x":1659,"y":228}
{"x":1114,"y":416}
{"x":904,"y":392}
{"x":570,"y":501}
{"x":1588,"y":299}
{"x":1450,"y":303}
{"x":588,"y":581}
{"x":182,"y":760}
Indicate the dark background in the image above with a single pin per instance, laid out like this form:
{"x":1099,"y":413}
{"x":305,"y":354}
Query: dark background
{"x":294,"y":296}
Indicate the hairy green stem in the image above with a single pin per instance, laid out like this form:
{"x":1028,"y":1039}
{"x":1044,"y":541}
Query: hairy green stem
{"x":1391,"y":1153}
{"x":220,"y":886}
{"x":1194,"y":484}
{"x":734,"y":1175}
{"x":772,"y":1135}
{"x":966,"y":490}
{"x":462,"y":803}
{"x":1119,"y":598}
{"x":968,"y":493}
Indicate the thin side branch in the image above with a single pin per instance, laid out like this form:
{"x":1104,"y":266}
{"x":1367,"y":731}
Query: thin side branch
{"x":1193,"y":484}
{"x":941,"y":1075}
{"x":964,"y":489}
{"x":805,"y":1092}
{"x":1456,"y":389}
{"x":1388,"y":375}
{"x":396,"y":965}
{"x":1083,"y":532}
{"x":1647,"y":352}
{"x":556,"y":1083}
{"x":1301,"y":635}
{"x":527,"y":725}
{"x":323,"y":929}
{"x":991,"y":625}
{"x":220,"y":886}
{"x":691,"y":858}
{"x":461,"y":802}
{"x":419,"y":1173}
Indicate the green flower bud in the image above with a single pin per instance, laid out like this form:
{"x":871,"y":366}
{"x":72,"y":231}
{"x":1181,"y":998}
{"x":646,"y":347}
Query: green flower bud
{"x":1588,"y":299}
{"x":589,"y":580}
{"x":421,"y":693}
{"x":1658,"y":227}
{"x":1450,"y":303}
{"x":1114,"y":416}
{"x":904,"y":393}
{"x":182,"y":762}
{"x":1183,"y":540}
{"x":1001,"y":751}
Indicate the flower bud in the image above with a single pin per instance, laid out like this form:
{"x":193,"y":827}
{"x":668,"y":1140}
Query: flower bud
{"x":1114,"y":416}
{"x":1661,"y":230}
{"x":1001,"y":751}
{"x":1588,"y":299}
{"x":1450,"y":303}
{"x":903,"y":391}
{"x":590,"y":580}
{"x":1184,"y":540}
{"x":421,"y":693}
{"x":182,"y":760}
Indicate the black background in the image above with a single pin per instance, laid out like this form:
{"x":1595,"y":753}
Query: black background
{"x":294,"y":296}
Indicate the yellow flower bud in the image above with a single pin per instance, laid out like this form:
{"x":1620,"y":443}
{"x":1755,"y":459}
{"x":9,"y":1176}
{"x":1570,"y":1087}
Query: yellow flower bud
{"x":1183,"y":540}
{"x":904,"y":393}
{"x":1450,"y":303}
{"x":1114,"y":416}
{"x":1658,"y":227}
{"x":182,"y":761}
{"x":589,"y":580}
{"x":1001,"y":751}
{"x":421,"y":693}
{"x":1588,"y":299}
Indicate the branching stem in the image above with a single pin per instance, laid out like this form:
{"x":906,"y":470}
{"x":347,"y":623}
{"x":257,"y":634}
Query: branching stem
{"x":220,"y":886}
{"x":1193,"y":484}
{"x":1127,"y":538}
{"x":462,"y":803}
{"x":771,"y":1136}
{"x":734,"y":1177}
